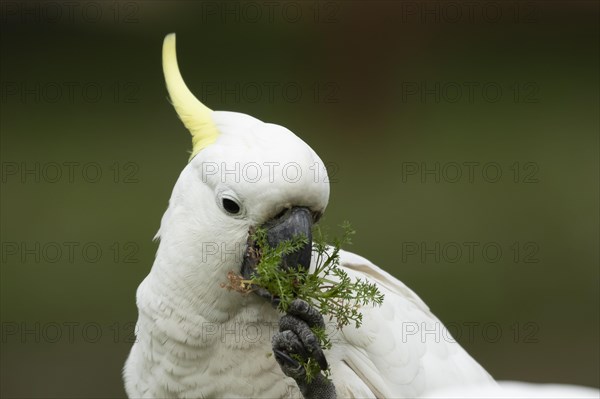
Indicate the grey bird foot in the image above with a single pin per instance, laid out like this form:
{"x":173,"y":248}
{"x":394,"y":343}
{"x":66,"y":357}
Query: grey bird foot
{"x":295,"y":339}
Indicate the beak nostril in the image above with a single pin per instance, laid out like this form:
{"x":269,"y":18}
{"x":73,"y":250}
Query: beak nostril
{"x":281,"y":213}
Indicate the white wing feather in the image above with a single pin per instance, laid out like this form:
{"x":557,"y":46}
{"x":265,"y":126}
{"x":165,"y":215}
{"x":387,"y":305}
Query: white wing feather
{"x":400,"y":350}
{"x":514,"y":389}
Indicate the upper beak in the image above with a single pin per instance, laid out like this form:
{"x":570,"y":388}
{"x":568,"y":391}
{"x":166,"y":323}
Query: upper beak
{"x":294,"y":222}
{"x":286,"y":226}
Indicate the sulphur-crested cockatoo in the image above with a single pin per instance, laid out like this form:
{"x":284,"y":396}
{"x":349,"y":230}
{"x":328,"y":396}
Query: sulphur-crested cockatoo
{"x":196,"y":339}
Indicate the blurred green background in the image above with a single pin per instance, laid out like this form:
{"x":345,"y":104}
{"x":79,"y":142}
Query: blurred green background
{"x":381,"y":90}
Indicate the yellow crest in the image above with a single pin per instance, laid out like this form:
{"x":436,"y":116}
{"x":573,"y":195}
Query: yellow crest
{"x":196,"y":116}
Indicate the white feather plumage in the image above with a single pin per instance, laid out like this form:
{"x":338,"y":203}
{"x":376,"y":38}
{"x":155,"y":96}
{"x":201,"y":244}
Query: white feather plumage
{"x":196,"y":339}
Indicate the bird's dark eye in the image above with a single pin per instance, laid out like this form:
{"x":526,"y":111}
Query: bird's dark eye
{"x":231,"y":206}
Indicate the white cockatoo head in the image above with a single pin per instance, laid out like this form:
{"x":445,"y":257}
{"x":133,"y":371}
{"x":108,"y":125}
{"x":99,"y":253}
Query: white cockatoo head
{"x":243,"y":173}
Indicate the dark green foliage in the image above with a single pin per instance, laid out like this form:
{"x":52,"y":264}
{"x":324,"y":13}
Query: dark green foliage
{"x":328,"y":288}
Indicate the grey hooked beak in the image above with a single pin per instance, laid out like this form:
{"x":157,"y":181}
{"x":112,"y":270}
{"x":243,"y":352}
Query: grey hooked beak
{"x":292,"y":223}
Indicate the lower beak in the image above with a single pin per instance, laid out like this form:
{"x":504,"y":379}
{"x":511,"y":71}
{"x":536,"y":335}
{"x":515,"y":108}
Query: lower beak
{"x":295,"y":222}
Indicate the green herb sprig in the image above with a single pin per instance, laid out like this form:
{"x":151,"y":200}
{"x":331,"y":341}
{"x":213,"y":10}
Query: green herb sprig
{"x":328,"y":288}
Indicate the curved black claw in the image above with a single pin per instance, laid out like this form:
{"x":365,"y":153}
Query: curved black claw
{"x":308,"y":339}
{"x":282,"y":357}
{"x":295,"y":339}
